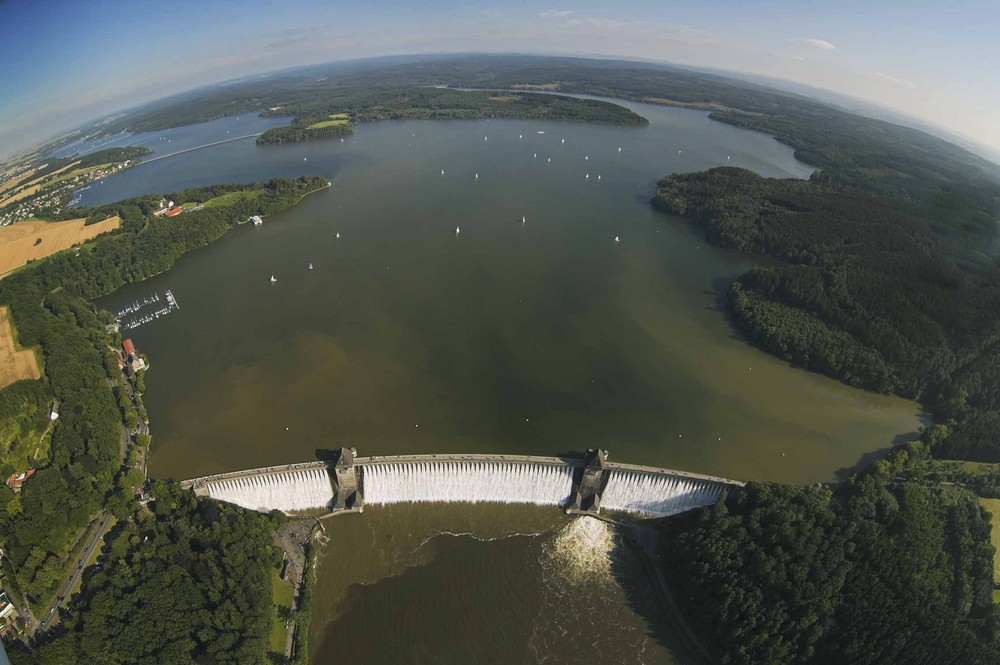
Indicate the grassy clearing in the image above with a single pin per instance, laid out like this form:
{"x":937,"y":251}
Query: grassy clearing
{"x":281,"y":593}
{"x":329,"y":123}
{"x":24,"y":449}
{"x":232,"y":197}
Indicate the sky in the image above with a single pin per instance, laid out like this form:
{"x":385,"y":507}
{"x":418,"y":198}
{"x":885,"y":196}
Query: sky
{"x":65,"y":62}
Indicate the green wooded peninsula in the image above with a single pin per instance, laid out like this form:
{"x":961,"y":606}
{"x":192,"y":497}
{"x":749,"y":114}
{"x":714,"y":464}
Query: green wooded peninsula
{"x":313,"y":116}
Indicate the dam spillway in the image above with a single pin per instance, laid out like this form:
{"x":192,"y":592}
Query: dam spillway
{"x":288,"y":491}
{"x":578,"y":485}
{"x":468,"y":482}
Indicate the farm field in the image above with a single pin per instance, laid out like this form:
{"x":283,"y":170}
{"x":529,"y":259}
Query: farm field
{"x":15,"y":363}
{"x":14,"y":182}
{"x":19,"y":243}
{"x":22,"y":194}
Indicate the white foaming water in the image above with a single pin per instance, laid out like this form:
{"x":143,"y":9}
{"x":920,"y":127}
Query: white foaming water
{"x":302,"y":489}
{"x":469,"y":482}
{"x":657,"y":494}
{"x":582,"y":550}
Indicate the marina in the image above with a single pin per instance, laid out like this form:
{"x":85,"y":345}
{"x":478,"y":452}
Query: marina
{"x":148,"y":309}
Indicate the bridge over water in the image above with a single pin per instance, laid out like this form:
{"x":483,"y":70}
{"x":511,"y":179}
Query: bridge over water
{"x":578,"y":485}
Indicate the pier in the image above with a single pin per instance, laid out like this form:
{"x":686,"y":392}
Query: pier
{"x":577,"y":485}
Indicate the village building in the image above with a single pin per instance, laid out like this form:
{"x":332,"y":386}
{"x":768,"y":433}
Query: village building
{"x":16,"y":479}
{"x":134,"y":360}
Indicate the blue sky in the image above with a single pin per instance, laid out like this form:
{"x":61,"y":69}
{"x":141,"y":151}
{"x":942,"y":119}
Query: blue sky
{"x":65,"y":62}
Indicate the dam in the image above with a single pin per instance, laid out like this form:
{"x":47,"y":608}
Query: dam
{"x":578,"y":485}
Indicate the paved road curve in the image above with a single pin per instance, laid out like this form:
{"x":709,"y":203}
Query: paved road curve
{"x":49,"y":616}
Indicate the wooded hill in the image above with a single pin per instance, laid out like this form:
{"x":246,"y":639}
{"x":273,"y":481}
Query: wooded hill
{"x":50,"y":303}
{"x":879,"y":570}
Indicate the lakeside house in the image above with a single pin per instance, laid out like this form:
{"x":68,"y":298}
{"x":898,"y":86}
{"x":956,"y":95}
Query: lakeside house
{"x":132,"y":356}
{"x":16,"y":479}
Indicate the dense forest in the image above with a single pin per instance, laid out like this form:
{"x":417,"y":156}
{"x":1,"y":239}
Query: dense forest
{"x":878,"y":570}
{"x":871,"y":290}
{"x":50,"y":304}
{"x":187,"y":581}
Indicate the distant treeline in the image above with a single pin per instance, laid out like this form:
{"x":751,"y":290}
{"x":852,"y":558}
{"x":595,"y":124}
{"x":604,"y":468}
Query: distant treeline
{"x":435,"y":104}
{"x":877,"y":571}
{"x":50,"y":305}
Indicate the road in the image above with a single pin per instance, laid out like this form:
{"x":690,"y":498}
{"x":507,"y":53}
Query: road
{"x":49,"y":615}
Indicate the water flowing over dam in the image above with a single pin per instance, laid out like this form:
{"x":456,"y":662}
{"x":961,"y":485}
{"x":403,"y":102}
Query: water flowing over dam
{"x":576,"y":484}
{"x":469,"y":482}
{"x":289,"y":491}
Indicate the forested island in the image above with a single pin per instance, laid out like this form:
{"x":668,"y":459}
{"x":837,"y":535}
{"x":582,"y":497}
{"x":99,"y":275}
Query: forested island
{"x":173,"y":558}
{"x":334,"y":115}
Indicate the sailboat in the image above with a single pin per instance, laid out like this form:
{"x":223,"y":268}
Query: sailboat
{"x":338,"y":234}
{"x":457,"y":230}
{"x":616,"y":239}
{"x":310,"y":266}
{"x":273,"y":279}
{"x":524,"y":220}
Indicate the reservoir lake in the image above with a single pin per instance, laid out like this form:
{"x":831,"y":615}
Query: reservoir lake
{"x":440,"y":322}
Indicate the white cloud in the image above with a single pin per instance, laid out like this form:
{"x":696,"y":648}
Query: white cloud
{"x":821,"y":44}
{"x":893,"y":79}
{"x":606,"y":23}
{"x":555,"y":13}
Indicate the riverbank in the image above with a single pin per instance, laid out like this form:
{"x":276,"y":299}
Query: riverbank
{"x":644,"y":542}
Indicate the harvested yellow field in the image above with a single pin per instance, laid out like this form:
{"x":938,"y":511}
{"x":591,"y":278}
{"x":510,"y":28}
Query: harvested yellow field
{"x":33,"y":186}
{"x":56,"y":172}
{"x":15,"y":364}
{"x":19,"y":242}
{"x":15,"y":181}
{"x":24,"y":193}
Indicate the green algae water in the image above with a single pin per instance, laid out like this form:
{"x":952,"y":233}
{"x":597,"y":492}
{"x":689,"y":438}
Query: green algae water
{"x":539,"y":308}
